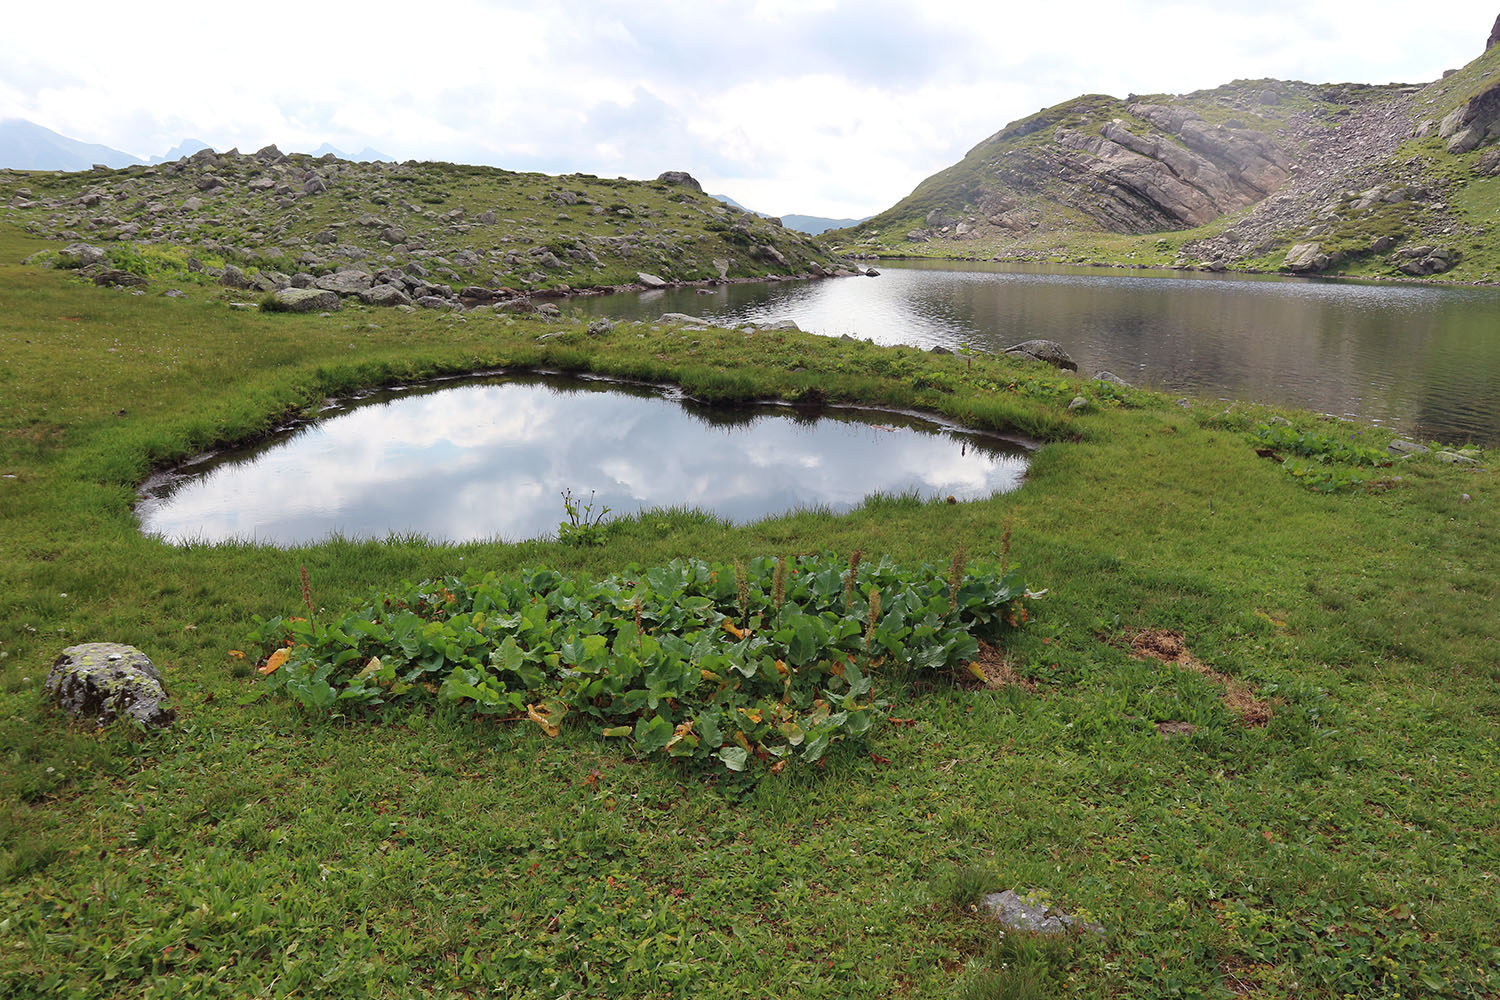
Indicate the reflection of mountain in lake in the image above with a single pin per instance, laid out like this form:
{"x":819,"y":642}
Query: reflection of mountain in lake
{"x":470,"y":461}
{"x":1422,"y":358}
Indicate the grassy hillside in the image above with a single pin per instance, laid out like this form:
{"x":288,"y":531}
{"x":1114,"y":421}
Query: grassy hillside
{"x":457,"y":225}
{"x":1042,"y":189}
{"x":1251,"y":729}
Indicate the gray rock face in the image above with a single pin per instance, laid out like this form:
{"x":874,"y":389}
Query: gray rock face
{"x":770,"y":253}
{"x":1473,"y":124}
{"x":651,"y":280}
{"x":385,"y":295}
{"x":306,"y":300}
{"x":84,"y":254}
{"x":1401,"y":446}
{"x":1188,"y":174}
{"x":346,"y":282}
{"x":106,"y":680}
{"x":1029,"y":913}
{"x":233,"y":277}
{"x":682,"y":178}
{"x":1306,"y":257}
{"x":1423,"y":261}
{"x":1049,"y":351}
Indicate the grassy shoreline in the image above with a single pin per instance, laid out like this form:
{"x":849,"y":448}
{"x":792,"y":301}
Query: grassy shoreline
{"x":1228,"y":269}
{"x":1347,"y":847}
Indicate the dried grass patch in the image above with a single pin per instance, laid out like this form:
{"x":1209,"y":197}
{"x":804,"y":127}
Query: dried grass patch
{"x":1169,"y":647}
{"x":992,"y":669}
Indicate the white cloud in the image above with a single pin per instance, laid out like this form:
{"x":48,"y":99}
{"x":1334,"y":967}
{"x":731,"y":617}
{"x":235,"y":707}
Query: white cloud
{"x":829,"y":107}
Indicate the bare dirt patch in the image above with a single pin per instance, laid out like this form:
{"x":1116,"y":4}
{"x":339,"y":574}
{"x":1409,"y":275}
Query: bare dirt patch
{"x":993,"y":670}
{"x":1169,"y":647}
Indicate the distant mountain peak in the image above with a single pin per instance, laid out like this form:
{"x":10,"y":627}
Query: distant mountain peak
{"x":25,"y":145}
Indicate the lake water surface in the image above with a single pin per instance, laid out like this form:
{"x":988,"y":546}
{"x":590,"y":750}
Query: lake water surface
{"x":1422,"y":359}
{"x":490,"y":458}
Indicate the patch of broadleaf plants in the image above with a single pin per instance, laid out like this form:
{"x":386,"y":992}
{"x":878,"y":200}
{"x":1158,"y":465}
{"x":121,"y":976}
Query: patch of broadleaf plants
{"x":739,"y":666}
{"x":1324,"y":463}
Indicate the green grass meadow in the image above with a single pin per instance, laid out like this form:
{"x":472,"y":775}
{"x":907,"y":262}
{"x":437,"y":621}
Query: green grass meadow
{"x":1349,"y":847}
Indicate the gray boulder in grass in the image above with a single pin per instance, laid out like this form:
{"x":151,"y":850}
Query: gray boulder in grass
{"x":106,"y":680}
{"x":1049,"y":351}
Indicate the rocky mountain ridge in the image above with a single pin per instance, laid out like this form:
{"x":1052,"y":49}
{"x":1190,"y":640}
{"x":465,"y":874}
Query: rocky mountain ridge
{"x":424,"y":233}
{"x":1395,"y":179}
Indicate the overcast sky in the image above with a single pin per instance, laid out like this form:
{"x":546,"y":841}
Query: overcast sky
{"x":825,"y":107}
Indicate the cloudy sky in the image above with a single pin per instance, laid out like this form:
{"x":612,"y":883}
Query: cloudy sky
{"x":825,"y":107}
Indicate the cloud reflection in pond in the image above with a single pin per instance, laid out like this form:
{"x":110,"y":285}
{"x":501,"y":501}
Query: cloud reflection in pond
{"x":481,"y":461}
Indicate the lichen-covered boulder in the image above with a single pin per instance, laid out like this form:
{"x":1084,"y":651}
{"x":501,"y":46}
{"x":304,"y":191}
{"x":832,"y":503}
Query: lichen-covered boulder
{"x":304,"y":300}
{"x":106,"y":680}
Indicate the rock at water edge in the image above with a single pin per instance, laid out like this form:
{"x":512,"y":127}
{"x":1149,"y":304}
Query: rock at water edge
{"x":1049,"y":351}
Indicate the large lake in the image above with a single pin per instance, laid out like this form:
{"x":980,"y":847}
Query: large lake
{"x":490,"y":458}
{"x":1422,"y":359}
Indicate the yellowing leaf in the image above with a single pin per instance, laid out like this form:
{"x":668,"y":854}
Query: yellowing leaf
{"x":371,"y":669}
{"x":735,"y":630}
{"x":238,"y":654}
{"x":781,"y":668}
{"x":753,"y":714}
{"x":976,"y":670}
{"x":739,"y":738}
{"x":541,"y":720}
{"x":276,"y":661}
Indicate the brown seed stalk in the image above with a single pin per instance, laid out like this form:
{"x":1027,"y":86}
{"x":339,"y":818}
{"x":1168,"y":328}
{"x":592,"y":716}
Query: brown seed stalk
{"x":307,"y":592}
{"x":956,"y":575}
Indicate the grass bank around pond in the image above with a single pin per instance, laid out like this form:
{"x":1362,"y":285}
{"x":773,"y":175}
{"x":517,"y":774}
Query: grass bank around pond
{"x":1346,"y":847}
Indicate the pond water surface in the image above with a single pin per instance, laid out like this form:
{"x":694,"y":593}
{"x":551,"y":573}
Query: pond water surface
{"x":489,"y":459}
{"x":1422,"y":359}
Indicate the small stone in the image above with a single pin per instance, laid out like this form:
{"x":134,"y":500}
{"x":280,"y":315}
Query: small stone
{"x":1078,"y":403}
{"x":1454,"y":458}
{"x":1030,"y":913}
{"x":1401,"y":446}
{"x":600,"y":327}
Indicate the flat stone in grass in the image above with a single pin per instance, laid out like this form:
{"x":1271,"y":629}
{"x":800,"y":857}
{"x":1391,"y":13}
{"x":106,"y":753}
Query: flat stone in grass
{"x":1028,"y":913}
{"x":105,"y":680}
{"x":305,"y":300}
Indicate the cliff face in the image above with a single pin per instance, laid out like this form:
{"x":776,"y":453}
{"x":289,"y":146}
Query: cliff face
{"x":1359,"y":170}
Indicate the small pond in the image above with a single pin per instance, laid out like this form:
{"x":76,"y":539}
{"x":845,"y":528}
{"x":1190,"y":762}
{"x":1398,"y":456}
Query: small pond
{"x":489,"y":459}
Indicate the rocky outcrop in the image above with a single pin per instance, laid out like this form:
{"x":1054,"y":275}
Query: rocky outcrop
{"x":1494,"y":36}
{"x":1048,"y":351}
{"x":1306,"y":258}
{"x":104,"y":681}
{"x":1187,"y":174}
{"x":1473,"y":123}
{"x":681,"y":178}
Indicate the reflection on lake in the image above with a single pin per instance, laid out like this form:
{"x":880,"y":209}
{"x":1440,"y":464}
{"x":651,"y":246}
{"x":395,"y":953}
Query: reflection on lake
{"x":1423,"y":359}
{"x":489,"y":460}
